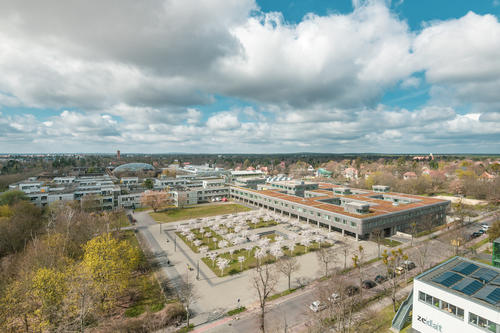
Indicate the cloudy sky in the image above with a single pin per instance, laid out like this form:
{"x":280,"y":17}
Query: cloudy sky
{"x":250,"y":76}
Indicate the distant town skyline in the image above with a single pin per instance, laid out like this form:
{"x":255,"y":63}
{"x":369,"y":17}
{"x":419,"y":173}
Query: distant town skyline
{"x":245,"y":76}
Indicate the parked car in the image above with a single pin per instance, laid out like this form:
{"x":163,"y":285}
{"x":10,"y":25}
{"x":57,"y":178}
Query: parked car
{"x":476,"y":234}
{"x":485,"y":227}
{"x":380,"y":279}
{"x":368,"y":284}
{"x":351,"y":290}
{"x":334,"y":298}
{"x":317,"y":306}
{"x":399,"y":270}
{"x":409,"y":265}
{"x":481,"y":231}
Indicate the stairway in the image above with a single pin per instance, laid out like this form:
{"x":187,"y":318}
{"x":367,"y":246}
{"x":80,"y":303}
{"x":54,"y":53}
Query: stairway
{"x":403,"y":314}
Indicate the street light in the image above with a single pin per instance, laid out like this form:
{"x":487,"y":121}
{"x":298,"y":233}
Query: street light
{"x":175,"y":242}
{"x":198,"y":269}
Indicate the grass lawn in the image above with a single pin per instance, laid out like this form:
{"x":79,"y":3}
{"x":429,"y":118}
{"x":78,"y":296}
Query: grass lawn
{"x":205,"y":241}
{"x":178,"y":214}
{"x":147,"y":293}
{"x":262,"y":224}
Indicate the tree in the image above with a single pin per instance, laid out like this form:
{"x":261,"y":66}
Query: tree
{"x":110,"y":263}
{"x":357,"y":260}
{"x":49,"y":287}
{"x":325,"y":256}
{"x":187,"y":296}
{"x":287,"y":266}
{"x":12,"y":197}
{"x":148,"y":183}
{"x":391,"y":261}
{"x":494,"y":230}
{"x":155,"y":199}
{"x":344,"y":248}
{"x":264,"y":281}
{"x":378,"y":237}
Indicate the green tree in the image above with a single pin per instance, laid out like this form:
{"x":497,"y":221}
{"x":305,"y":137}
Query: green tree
{"x":148,"y":183}
{"x":494,"y":231}
{"x":110,"y":263}
{"x":12,"y":197}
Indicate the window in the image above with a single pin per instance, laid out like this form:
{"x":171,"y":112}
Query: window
{"x":442,"y":305}
{"x":354,"y":224}
{"x":482,"y":322}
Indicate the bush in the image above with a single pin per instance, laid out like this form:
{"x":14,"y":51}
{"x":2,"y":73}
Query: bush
{"x":233,"y":271}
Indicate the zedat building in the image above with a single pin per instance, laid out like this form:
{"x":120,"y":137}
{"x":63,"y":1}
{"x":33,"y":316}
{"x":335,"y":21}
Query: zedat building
{"x":457,"y":296}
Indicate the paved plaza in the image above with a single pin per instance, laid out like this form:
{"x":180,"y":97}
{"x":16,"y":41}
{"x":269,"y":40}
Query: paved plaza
{"x":216,"y":294}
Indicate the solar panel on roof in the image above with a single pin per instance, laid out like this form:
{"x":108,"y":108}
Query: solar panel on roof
{"x":484,"y":274}
{"x":490,"y":294}
{"x":496,"y":281}
{"x":468,"y":286}
{"x":448,"y":278}
{"x":465,"y":268}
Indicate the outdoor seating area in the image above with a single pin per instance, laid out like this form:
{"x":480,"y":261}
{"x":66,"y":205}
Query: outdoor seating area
{"x":233,"y":243}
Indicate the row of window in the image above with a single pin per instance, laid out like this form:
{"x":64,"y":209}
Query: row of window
{"x":482,"y":322}
{"x":458,"y":312}
{"x":440,"y":304}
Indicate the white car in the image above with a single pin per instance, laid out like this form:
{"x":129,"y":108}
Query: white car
{"x":317,"y":306}
{"x":334,"y":298}
{"x":485,"y":227}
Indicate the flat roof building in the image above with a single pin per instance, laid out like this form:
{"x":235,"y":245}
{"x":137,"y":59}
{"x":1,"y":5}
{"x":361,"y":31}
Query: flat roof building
{"x":459,"y":295}
{"x":353,"y":211}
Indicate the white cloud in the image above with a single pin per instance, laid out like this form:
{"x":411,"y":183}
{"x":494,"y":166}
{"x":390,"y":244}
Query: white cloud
{"x":223,"y":121}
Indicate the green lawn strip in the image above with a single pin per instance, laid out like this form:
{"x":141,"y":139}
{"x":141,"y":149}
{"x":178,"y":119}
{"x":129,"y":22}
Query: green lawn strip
{"x":379,"y":323}
{"x":149,"y":295}
{"x":178,"y":214}
{"x":390,"y":243}
{"x":480,"y":243}
{"x":483,"y":261}
{"x":281,"y":294}
{"x":186,"y":329}
{"x":262,"y":224}
{"x":236,"y":311}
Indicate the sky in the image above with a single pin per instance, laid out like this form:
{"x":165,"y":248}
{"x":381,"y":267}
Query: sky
{"x":250,"y":76}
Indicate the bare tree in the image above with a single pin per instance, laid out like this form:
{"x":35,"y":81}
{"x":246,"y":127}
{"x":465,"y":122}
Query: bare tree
{"x":287,"y":266}
{"x":378,"y":237}
{"x":326,"y":256}
{"x":413,"y":231}
{"x":422,"y":253}
{"x":187,"y":296}
{"x":344,"y":248}
{"x":264,"y":281}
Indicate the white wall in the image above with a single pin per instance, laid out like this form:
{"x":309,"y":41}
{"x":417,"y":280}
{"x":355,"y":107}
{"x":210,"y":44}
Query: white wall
{"x":449,"y":323}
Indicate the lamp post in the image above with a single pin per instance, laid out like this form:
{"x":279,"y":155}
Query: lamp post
{"x":175,"y":242}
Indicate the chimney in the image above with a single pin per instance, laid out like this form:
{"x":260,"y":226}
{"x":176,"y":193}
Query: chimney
{"x":117,"y":154}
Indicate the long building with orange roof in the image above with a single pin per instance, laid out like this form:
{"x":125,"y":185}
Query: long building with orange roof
{"x":356,"y":212}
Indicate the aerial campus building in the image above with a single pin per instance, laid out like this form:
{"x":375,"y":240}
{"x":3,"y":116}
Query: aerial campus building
{"x":460,"y":295}
{"x":354,"y":212}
